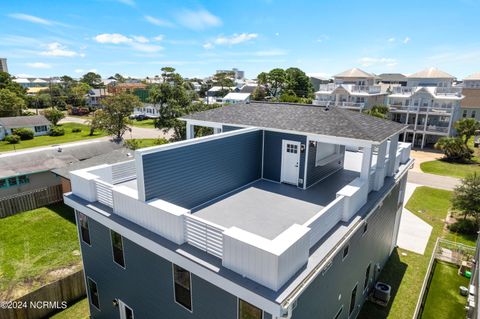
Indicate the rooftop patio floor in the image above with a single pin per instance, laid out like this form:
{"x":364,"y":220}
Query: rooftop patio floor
{"x":268,"y":208}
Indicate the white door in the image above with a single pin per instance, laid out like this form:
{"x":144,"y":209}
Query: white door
{"x":290,"y":162}
{"x":125,"y":311}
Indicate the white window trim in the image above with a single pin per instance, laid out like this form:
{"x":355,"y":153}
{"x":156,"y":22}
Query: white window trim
{"x":126,"y":306}
{"x":364,"y":232}
{"x":191,"y":289}
{"x":350,"y":314}
{"x":90,"y":297}
{"x":343,"y":251}
{"x":238,"y":308}
{"x":123,"y":250}
{"x":80,"y":229}
{"x":365,"y":288}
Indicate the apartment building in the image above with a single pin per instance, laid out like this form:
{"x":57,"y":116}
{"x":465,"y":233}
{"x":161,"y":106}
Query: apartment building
{"x":429,"y":104}
{"x":470,"y":105}
{"x":270,"y":217}
{"x":352,"y":89}
{"x":3,"y":65}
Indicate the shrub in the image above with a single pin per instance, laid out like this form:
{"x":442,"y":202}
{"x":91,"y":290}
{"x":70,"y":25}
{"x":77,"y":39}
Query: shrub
{"x":160,"y":141}
{"x":132,"y":144}
{"x":56,"y":131}
{"x":53,"y":115}
{"x":454,"y":149}
{"x":24,"y":133}
{"x":76,"y":130}
{"x":12,"y":139}
{"x":464,"y":226}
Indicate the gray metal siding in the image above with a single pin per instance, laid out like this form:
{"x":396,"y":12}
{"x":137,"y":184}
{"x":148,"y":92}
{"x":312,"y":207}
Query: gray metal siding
{"x":189,"y":176}
{"x":272,"y":158}
{"x":317,"y":173}
{"x":146,"y":285}
{"x":322,"y":296}
{"x":228,"y":128}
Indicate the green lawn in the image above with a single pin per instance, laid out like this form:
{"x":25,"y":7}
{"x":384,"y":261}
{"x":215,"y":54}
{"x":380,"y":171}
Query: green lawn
{"x":32,"y":245}
{"x":405,"y":270}
{"x":444,"y":300}
{"x":144,"y":123}
{"x":147,"y":142}
{"x":78,"y":310}
{"x":440,"y":167}
{"x":50,"y":140}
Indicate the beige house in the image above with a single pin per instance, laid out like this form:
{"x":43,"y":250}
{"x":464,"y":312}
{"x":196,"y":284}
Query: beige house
{"x":470,"y":105}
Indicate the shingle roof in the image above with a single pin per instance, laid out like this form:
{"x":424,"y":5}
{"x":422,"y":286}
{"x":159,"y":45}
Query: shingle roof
{"x":12,"y":164}
{"x":112,"y":157}
{"x":392,"y":77}
{"x":431,"y":73}
{"x":354,"y":73}
{"x":302,"y":118}
{"x":20,"y":121}
{"x":474,"y":76}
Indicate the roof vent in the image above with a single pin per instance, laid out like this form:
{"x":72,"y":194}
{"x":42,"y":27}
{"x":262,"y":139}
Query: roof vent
{"x":59,"y":149}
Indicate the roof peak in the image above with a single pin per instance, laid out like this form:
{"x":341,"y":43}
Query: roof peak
{"x":431,"y":72}
{"x":354,"y":73}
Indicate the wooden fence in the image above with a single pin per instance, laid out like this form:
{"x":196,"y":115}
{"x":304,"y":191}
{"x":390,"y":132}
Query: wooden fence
{"x":22,"y":202}
{"x":48,"y":299}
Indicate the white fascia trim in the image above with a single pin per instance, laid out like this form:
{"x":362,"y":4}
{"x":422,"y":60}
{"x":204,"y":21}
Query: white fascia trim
{"x":140,"y":179}
{"x":164,"y":147}
{"x":182,"y":261}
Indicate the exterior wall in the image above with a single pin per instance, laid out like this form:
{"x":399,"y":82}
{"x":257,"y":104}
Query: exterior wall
{"x":146,"y":283}
{"x":317,"y":173}
{"x":272,"y":155}
{"x":200,"y":172}
{"x":8,"y":131}
{"x":322,"y":296}
{"x":66,"y":185}
{"x":37,"y":181}
{"x":376,"y":100}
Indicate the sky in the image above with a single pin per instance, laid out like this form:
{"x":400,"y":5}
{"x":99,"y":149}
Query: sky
{"x":322,"y":37}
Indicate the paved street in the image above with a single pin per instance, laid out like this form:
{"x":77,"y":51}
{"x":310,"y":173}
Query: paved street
{"x":437,"y":181}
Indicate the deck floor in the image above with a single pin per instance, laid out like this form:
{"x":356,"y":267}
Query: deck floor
{"x":267,"y":208}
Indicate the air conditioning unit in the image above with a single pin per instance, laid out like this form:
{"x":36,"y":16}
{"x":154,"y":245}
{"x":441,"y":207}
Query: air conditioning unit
{"x":382,"y":292}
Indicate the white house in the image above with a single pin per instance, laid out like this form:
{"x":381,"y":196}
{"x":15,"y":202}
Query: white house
{"x":38,"y":124}
{"x":233,"y":98}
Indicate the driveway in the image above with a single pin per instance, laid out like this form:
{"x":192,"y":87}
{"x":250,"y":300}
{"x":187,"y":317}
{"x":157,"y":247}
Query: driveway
{"x":421,"y":156}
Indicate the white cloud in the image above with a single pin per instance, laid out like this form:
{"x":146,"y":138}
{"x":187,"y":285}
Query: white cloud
{"x":198,"y":20}
{"x":369,"y":61}
{"x":158,"y":22}
{"x":143,"y":47}
{"x":55,"y":49}
{"x":114,"y":38}
{"x":231,"y":40}
{"x":39,"y":65}
{"x":79,"y":70}
{"x":30,"y":18}
{"x":391,"y":40}
{"x":406,"y":40}
{"x":159,"y":38}
{"x":140,"y":39}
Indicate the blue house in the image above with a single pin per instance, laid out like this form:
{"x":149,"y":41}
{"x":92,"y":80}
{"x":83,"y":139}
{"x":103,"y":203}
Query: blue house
{"x":273,"y":216}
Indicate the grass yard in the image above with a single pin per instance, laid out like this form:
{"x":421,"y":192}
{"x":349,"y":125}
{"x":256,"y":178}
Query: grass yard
{"x":405,"y":270}
{"x":78,"y":310}
{"x":50,"y":140}
{"x":145,"y":123}
{"x":439,"y":167}
{"x":147,"y":142}
{"x":36,"y":247}
{"x":444,"y":300}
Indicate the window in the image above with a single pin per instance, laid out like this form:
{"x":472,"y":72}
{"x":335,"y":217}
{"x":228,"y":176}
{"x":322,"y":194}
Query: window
{"x":365,"y":228}
{"x":93,"y":293}
{"x":12,"y":181}
{"x":41,"y":128}
{"x":367,"y":278}
{"x":464,"y":113}
{"x":125,"y":311}
{"x":84,"y":231}
{"x":353,"y":300}
{"x":345,"y":251}
{"x":339,"y":312}
{"x":23,"y":179}
{"x":473,"y":114}
{"x":182,"y":287}
{"x":3,"y":183}
{"x":326,"y":153}
{"x":292,"y":148}
{"x":117,"y":247}
{"x":248,"y":311}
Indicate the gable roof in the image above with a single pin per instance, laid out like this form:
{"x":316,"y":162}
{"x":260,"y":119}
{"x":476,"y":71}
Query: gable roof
{"x":431,"y":73}
{"x":354,"y":73}
{"x":474,"y":76}
{"x":302,"y":118}
{"x":24,"y":121}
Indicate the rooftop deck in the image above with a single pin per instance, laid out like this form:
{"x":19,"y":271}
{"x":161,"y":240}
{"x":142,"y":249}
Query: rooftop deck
{"x":267,"y":208}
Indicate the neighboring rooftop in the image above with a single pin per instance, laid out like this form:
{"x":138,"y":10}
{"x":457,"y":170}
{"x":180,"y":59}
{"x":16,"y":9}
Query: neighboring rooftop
{"x":23,"y":121}
{"x":302,"y":118}
{"x":237,"y":96}
{"x":431,"y":73}
{"x":354,"y":73}
{"x":392,"y":77}
{"x":473,"y":77}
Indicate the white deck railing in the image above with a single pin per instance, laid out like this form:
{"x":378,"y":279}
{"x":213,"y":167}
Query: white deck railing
{"x":104,"y":192}
{"x":123,"y":171}
{"x":204,"y":235}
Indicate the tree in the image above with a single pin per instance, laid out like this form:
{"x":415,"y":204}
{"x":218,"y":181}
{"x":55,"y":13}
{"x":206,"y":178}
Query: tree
{"x":53,"y":115}
{"x":298,"y":82}
{"x":6,"y":82}
{"x":466,"y":128}
{"x":114,"y":117}
{"x":167,"y":73}
{"x":275,"y":81}
{"x":466,"y":197}
{"x":10,"y":103}
{"x":77,"y":94}
{"x":119,"y":78}
{"x":92,"y":79}
{"x":224,"y":80}
{"x":259,"y":94}
{"x":454,"y":149}
{"x":379,"y":111}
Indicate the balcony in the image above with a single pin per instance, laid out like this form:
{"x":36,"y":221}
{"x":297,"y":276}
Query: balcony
{"x":437,"y":129}
{"x":346,"y":105}
{"x":328,"y":87}
{"x":449,"y":91}
{"x":370,"y":89}
{"x":403,"y":90}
